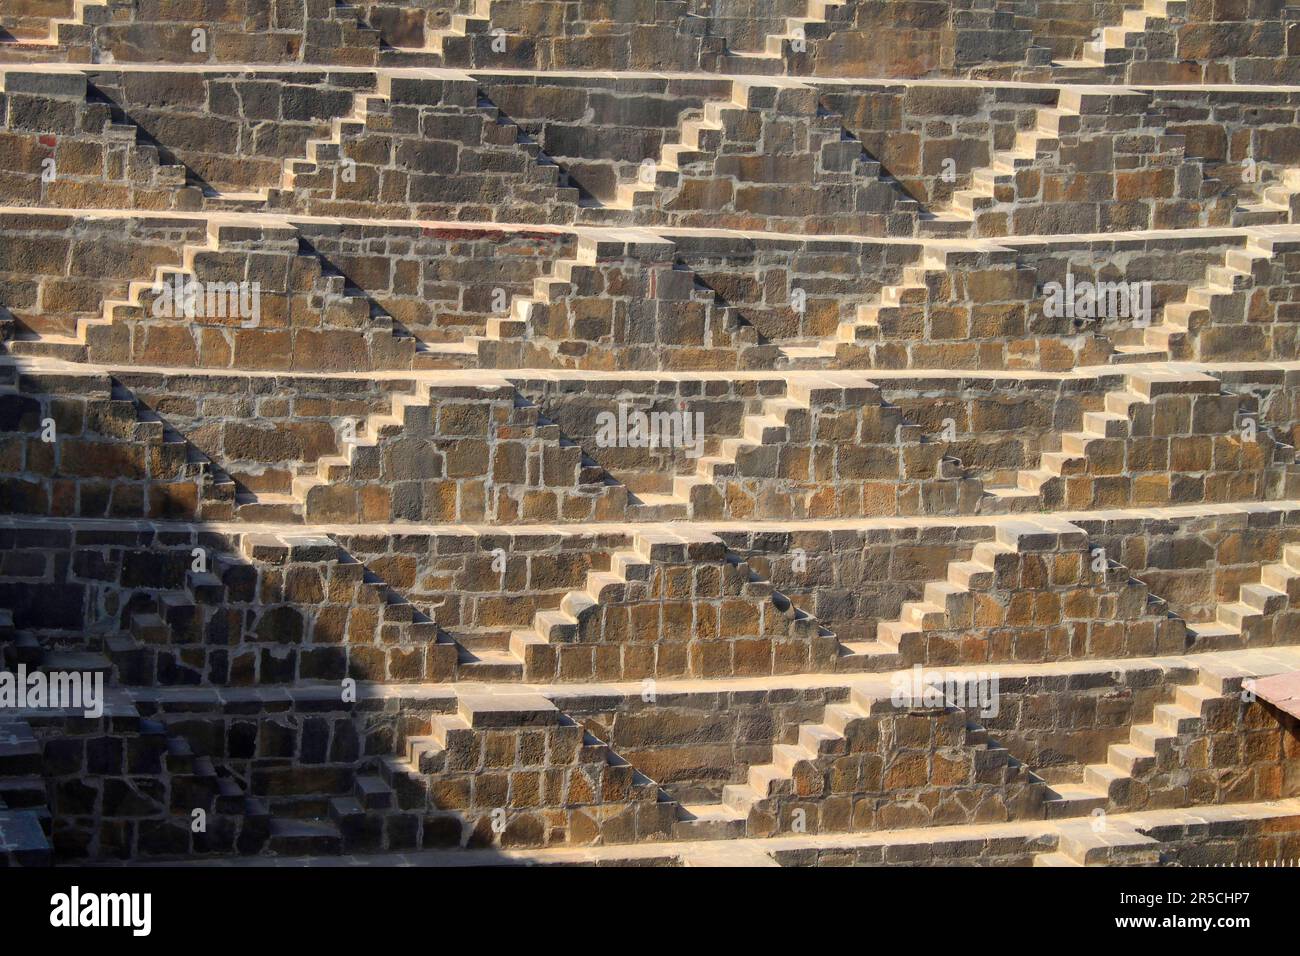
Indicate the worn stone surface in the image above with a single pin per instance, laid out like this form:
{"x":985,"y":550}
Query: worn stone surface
{"x":778,"y":433}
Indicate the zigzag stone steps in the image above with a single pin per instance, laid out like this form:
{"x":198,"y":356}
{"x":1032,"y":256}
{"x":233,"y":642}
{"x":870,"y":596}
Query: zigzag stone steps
{"x":671,"y":578}
{"x":224,"y":625}
{"x":557,"y":317}
{"x":1196,"y":709}
{"x":734,"y":623}
{"x":1143,"y":409}
{"x":521,"y":736}
{"x":857,"y":794}
{"x":1237,"y":835}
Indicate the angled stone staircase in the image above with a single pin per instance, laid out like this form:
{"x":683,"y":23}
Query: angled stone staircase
{"x":25,"y":817}
{"x":120,"y":439}
{"x":336,"y":484}
{"x":461,"y":26}
{"x":551,"y":328}
{"x":575,"y":640}
{"x":456,"y":42}
{"x":951,"y":602}
{"x":58,"y":28}
{"x":873,"y":320}
{"x":136,"y":328}
{"x":233,"y":820}
{"x":317,"y":151}
{"x":1256,"y":617}
{"x":1116,"y":43}
{"x":133,"y":172}
{"x":517,"y":737}
{"x":702,"y":144}
{"x":796,"y":775}
{"x":772,"y":425}
{"x":782,"y":420}
{"x":996,"y":185}
{"x":1116,"y":784}
{"x":164,"y":628}
{"x":1127,"y":415}
{"x":358,"y":456}
{"x":1278,"y":202}
{"x":1113,"y":423}
{"x":76,"y":347}
{"x":1176,"y":335}
{"x":531,"y":650}
{"x":547,"y":290}
{"x":316,"y":184}
{"x":778,"y":48}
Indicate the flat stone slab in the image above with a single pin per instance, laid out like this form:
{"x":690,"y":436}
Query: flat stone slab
{"x":1282,"y":691}
{"x":22,"y":838}
{"x":508,"y":710}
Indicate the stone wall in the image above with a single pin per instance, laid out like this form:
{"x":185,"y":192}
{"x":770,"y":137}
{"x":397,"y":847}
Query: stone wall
{"x":73,"y":446}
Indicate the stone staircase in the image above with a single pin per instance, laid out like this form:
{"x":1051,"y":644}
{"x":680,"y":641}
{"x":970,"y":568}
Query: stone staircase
{"x":460,"y":28}
{"x":101,"y":436}
{"x":951,"y":602}
{"x":772,"y":425}
{"x":519,"y":735}
{"x":1126,"y":416}
{"x":157,"y":308}
{"x":131,"y":162}
{"x":778,"y":48}
{"x":396,"y":122}
{"x":703,"y":140}
{"x":637,"y":574}
{"x":1113,"y":785}
{"x":794,"y":774}
{"x":312,"y":182}
{"x":872,"y":320}
{"x":552,"y":328}
{"x":165,"y":628}
{"x":1115,"y":44}
{"x":547,"y":290}
{"x":337,"y":483}
{"x":978,"y":209}
{"x":1248,"y":619}
{"x":25,"y":817}
{"x":76,"y":347}
{"x":56,"y":29}
{"x":318,"y":150}
{"x":1177,"y":335}
{"x":1203,"y":320}
{"x":1278,"y":202}
{"x":220,"y":815}
{"x":781,"y":421}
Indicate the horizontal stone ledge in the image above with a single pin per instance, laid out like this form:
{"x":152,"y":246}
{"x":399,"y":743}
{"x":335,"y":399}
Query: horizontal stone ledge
{"x":1107,"y":375}
{"x":587,"y":75}
{"x":444,"y":697}
{"x":1283,"y":511}
{"x":1101,"y":376}
{"x":900,"y":846}
{"x":656,"y":233}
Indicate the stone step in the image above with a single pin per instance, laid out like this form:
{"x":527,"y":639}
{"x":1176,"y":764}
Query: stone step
{"x":1073,"y":800}
{"x":305,"y":838}
{"x":23,"y":793}
{"x":20,"y":752}
{"x":868,"y":656}
{"x":708,"y":821}
{"x":490,"y":666}
{"x":1055,"y":859}
{"x":373,"y":793}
